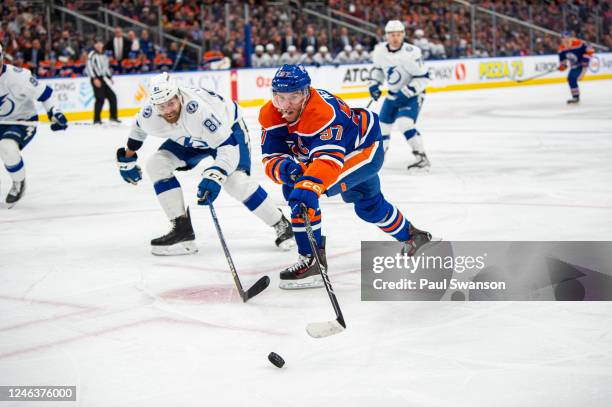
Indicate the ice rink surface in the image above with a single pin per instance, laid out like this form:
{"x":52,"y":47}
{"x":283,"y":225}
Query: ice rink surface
{"x":83,"y":302}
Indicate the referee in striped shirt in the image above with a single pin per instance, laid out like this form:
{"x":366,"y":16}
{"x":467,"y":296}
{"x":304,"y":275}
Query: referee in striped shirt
{"x":98,"y":71}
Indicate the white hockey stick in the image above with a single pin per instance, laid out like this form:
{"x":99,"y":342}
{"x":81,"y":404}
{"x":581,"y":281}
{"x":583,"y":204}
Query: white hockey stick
{"x":326,"y":328}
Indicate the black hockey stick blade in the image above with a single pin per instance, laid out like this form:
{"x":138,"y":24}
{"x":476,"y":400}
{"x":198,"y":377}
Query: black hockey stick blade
{"x":256,"y":288}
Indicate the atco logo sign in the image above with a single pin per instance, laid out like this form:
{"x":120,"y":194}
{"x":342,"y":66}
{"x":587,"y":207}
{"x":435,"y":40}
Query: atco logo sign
{"x":501,"y":70}
{"x":357,"y":75}
{"x":546,"y":66}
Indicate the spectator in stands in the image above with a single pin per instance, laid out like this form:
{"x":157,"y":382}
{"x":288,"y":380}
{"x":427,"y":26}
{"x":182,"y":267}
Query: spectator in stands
{"x":422,"y":42}
{"x":134,"y":42}
{"x":344,"y":56}
{"x":437,"y":50}
{"x":288,"y":40}
{"x":119,"y":46}
{"x":274,"y":57}
{"x":323,"y":56}
{"x":308,"y":57}
{"x":360,"y":55}
{"x":260,"y":59}
{"x":309,"y":38}
{"x":34,"y":55}
{"x":343,"y":39}
{"x":291,"y":56}
{"x":146,"y":45}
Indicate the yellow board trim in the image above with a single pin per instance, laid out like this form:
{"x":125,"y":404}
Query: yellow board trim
{"x":129,"y":112}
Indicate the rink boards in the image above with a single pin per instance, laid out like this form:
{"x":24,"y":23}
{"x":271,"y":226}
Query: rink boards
{"x":251,"y":87}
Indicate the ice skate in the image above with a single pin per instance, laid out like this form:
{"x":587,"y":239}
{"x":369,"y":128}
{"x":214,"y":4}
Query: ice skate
{"x":16,"y":193}
{"x":418,"y":239}
{"x":574,"y":100}
{"x":284,"y":234}
{"x":179,"y":241}
{"x":304,"y":273}
{"x":421,"y":165}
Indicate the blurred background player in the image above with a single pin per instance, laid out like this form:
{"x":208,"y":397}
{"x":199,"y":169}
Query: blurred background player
{"x":197,"y":124}
{"x":576,"y":55}
{"x":313,"y":143}
{"x":18,"y":92}
{"x":402,"y":66}
{"x":98,"y":71}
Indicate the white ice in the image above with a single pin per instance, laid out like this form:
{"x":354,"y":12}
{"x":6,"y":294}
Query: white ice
{"x":83,"y":302}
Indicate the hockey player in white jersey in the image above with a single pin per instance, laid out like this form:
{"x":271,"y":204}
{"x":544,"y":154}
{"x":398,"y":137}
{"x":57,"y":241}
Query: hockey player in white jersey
{"x":197,"y":123}
{"x":19,"y":91}
{"x":401,"y":65}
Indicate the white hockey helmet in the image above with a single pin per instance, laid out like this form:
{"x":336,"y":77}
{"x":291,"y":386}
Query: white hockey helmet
{"x":394,"y":26}
{"x":259,"y":48}
{"x":291,"y":48}
{"x":323,"y":49}
{"x":348,"y":48}
{"x":162,"y":88}
{"x":270,"y":47}
{"x":419,"y":33}
{"x":310,"y":49}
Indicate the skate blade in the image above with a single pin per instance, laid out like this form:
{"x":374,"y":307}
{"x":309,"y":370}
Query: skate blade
{"x":178,"y":249}
{"x":419,"y":170}
{"x":305,"y":283}
{"x":287,"y":245}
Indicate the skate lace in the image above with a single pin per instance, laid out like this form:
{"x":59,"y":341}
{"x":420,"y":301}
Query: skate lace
{"x":302,"y":262}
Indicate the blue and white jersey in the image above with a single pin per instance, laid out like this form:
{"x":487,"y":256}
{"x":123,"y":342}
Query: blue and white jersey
{"x":18,"y":92}
{"x":403,"y":69}
{"x":207,"y":121}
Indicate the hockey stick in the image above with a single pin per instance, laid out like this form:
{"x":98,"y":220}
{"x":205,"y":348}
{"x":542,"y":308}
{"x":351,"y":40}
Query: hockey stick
{"x":326,"y":328}
{"x":259,"y":286}
{"x":369,"y":103}
{"x":535,"y":76}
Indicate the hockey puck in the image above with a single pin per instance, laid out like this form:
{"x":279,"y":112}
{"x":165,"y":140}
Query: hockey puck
{"x":276,"y":360}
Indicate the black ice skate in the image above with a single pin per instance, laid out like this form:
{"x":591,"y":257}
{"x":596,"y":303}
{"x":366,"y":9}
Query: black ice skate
{"x":418,"y":239}
{"x":16,"y":193}
{"x":180,"y":240}
{"x":304,"y":273}
{"x":284,"y":234}
{"x":421,"y":164}
{"x":574,"y":100}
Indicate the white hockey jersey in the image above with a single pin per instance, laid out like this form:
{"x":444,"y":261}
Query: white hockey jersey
{"x":205,"y":122}
{"x":403,"y":69}
{"x":18,"y":92}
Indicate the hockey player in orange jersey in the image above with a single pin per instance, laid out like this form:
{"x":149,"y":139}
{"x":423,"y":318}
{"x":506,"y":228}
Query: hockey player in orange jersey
{"x":314,"y":144}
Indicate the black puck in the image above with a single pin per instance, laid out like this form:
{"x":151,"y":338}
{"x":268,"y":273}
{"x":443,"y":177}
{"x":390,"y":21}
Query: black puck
{"x":276,"y":360}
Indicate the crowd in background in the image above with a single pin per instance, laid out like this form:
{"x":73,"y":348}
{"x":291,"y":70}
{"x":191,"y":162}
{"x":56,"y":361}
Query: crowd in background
{"x":282,"y":34}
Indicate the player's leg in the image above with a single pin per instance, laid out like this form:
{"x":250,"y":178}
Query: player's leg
{"x":407,"y":116}
{"x":304,"y":274}
{"x":572,"y":78}
{"x":243,"y":188}
{"x":387,"y":116}
{"x":12,"y":140}
{"x":160,"y":168}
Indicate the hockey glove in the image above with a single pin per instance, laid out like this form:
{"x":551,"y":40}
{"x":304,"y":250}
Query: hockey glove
{"x":375,"y":91}
{"x":210,"y":186}
{"x":307,"y":191}
{"x":58,"y":120}
{"x":562,"y":67}
{"x":127,"y":167}
{"x":289,"y":171}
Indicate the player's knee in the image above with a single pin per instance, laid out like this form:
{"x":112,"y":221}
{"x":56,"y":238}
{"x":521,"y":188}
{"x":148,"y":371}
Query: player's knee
{"x":159,"y":167}
{"x":240,"y":186}
{"x":9,"y":148}
{"x":351,"y":196}
{"x":405,"y":124}
{"x":385,"y":128}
